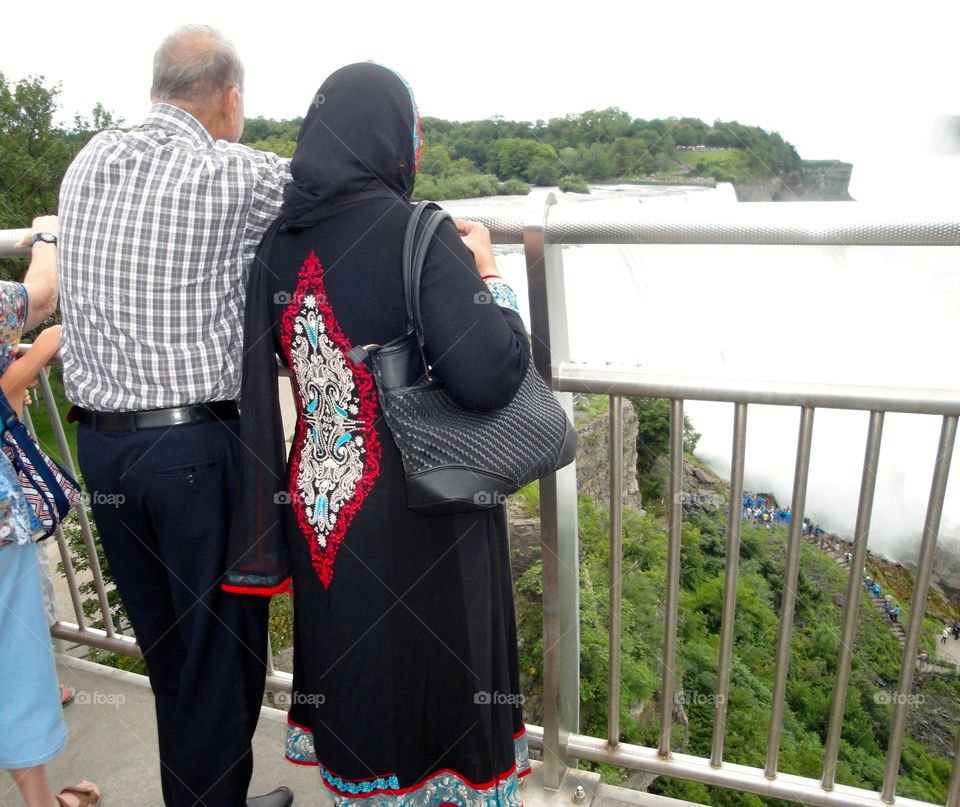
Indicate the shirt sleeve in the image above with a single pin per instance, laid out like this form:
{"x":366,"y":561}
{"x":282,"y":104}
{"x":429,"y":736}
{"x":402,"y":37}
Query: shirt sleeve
{"x":13,"y":316}
{"x":479,"y":349}
{"x":267,"y":200}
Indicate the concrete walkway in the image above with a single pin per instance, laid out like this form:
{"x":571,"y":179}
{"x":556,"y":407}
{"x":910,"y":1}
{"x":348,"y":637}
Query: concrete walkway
{"x":113,"y":742}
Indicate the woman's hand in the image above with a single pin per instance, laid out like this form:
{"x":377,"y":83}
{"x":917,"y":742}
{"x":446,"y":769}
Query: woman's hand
{"x":477,"y":240}
{"x":41,"y":224}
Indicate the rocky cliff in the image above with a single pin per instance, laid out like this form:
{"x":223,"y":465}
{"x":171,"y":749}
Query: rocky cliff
{"x":813,"y":181}
{"x":593,"y":476}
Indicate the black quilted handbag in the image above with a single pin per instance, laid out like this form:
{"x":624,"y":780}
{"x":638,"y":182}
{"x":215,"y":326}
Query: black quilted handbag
{"x":455,"y":459}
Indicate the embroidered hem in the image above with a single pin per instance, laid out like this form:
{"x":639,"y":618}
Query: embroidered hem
{"x":442,"y":787}
{"x":255,"y":584}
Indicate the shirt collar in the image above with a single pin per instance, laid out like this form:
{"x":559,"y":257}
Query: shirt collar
{"x":174,"y":120}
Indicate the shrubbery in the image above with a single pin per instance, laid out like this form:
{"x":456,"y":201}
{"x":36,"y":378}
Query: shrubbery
{"x":573,"y":184}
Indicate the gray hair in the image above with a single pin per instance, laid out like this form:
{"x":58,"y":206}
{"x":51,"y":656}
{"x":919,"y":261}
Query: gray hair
{"x":195,"y":63}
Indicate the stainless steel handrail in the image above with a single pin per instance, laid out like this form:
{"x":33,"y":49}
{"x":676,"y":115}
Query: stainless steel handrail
{"x":542,"y":226}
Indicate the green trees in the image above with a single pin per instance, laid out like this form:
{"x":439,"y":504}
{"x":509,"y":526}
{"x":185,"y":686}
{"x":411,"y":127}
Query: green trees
{"x":525,"y":159}
{"x":442,"y":177}
{"x":278,"y":136}
{"x":35,"y":152}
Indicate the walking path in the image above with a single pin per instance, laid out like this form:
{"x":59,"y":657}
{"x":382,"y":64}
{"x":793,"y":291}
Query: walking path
{"x":948,"y":652}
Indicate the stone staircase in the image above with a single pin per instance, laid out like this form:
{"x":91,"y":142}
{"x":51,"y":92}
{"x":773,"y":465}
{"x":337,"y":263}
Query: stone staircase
{"x":932,"y":665}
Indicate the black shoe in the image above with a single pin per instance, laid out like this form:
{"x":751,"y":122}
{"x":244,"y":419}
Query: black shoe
{"x":281,"y":797}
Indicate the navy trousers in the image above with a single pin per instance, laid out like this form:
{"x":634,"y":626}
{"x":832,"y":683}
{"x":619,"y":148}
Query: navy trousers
{"x":162,"y":500}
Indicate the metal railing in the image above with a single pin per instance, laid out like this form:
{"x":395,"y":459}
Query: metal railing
{"x":541,"y":231}
{"x":543,"y":227}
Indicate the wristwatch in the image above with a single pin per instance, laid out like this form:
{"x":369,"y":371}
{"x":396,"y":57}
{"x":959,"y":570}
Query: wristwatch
{"x":47,"y":238}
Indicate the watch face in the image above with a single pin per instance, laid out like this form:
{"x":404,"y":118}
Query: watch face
{"x":47,"y":238}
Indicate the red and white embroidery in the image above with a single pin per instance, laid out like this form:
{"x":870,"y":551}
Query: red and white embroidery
{"x":336,"y":451}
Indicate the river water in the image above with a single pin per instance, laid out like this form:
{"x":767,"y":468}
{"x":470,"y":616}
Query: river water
{"x":883,"y":316}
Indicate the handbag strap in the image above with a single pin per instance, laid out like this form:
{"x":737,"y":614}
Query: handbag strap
{"x":25,"y":445}
{"x":416,"y":244}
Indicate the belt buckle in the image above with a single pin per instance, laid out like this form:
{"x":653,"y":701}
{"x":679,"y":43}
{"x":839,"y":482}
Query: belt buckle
{"x":181,"y":415}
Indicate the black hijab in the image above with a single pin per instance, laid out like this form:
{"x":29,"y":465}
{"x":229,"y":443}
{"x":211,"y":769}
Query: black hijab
{"x":360,"y":140}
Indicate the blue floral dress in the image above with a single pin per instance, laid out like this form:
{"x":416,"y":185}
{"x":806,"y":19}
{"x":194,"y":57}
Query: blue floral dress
{"x":32,"y":730}
{"x":18,"y":522}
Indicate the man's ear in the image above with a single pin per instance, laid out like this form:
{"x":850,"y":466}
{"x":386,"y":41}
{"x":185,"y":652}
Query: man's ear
{"x":231,"y":111}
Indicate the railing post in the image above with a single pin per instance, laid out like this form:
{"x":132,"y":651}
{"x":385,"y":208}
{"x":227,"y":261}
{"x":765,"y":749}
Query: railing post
{"x":616,"y":568}
{"x":558,"y":507}
{"x":671,"y":605}
{"x":727,"y":621}
{"x":791,"y":573}
{"x":918,"y":605}
{"x":851,"y":616}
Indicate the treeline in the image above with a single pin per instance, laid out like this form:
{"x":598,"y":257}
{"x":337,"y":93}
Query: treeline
{"x":487,"y":157}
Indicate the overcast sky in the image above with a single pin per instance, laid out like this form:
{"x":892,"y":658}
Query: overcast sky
{"x":860,"y":82}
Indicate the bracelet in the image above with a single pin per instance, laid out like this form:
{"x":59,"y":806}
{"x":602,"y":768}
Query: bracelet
{"x":487,"y":277}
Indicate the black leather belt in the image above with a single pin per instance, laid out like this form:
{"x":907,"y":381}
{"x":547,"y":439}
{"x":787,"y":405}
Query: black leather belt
{"x":121,"y":422}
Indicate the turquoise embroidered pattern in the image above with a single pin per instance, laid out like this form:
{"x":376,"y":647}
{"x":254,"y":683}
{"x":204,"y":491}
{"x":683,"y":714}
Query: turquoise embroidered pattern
{"x":380,"y":783}
{"x":442,"y":788}
{"x":522,"y":753}
{"x":299,"y":746}
{"x":503,"y":295}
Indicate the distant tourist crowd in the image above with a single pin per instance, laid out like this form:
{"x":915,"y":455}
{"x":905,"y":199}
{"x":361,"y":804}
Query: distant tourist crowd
{"x":758,"y":509}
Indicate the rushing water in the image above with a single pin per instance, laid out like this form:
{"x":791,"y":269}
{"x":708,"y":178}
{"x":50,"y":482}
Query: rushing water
{"x":861,"y":315}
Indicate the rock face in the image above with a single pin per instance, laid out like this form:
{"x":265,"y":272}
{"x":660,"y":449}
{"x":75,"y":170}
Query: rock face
{"x":593,"y":479}
{"x":593,"y":457}
{"x":813,"y":181}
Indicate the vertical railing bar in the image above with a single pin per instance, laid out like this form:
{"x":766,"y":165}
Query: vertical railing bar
{"x":68,"y":569}
{"x":70,"y":574}
{"x":734,"y":524}
{"x":921,"y":586}
{"x":790,"y":575}
{"x":270,"y":670}
{"x":54,"y":414}
{"x":616,"y":565}
{"x":851,"y":614}
{"x":558,"y":506}
{"x":675,"y":493}
{"x":953,"y":794}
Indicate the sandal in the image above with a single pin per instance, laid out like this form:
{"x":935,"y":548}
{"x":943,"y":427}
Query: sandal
{"x":88,"y":795}
{"x":67,"y":695}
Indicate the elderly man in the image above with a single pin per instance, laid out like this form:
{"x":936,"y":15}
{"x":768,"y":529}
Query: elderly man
{"x":158,"y":228}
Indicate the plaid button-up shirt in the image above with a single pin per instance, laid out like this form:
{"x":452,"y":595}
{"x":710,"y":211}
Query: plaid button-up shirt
{"x":158,"y":227}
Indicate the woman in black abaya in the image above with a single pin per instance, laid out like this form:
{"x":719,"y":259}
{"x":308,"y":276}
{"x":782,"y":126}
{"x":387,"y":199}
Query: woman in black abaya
{"x":406,"y":683}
